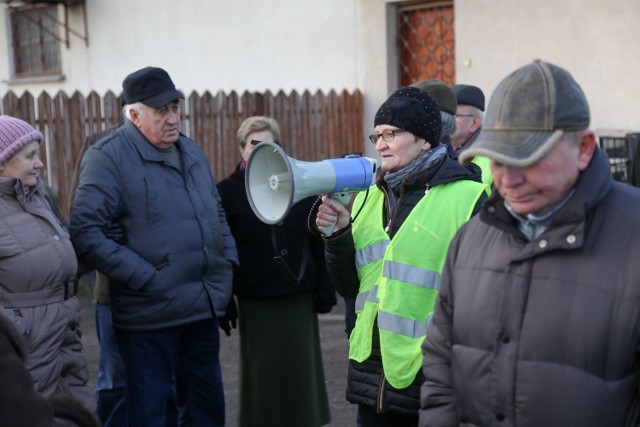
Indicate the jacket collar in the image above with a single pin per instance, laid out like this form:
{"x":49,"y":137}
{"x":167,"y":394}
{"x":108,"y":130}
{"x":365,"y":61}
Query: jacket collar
{"x":149,"y":153}
{"x":469,"y":142}
{"x":592,"y":186}
{"x":13,"y":187}
{"x":8,"y":186}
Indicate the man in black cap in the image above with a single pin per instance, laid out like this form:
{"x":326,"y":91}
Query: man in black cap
{"x":390,"y":256}
{"x":170,"y":272}
{"x":537,"y":319}
{"x":469,"y":115}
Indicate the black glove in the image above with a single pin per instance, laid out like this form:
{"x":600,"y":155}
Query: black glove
{"x":230,"y":319}
{"x":325,"y":299}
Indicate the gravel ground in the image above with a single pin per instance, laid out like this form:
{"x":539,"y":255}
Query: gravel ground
{"x":334,"y":350}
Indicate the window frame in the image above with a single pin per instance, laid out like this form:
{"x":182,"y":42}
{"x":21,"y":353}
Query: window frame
{"x":48,"y":38}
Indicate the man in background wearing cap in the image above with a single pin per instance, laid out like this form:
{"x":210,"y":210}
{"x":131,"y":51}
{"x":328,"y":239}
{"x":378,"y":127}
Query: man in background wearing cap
{"x":171,"y":278}
{"x":537,"y":319}
{"x":469,"y":117}
{"x":389,"y":257}
{"x":447,"y":101}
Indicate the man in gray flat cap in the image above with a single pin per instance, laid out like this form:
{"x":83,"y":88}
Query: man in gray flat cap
{"x":537,"y":319}
{"x":446,"y":99}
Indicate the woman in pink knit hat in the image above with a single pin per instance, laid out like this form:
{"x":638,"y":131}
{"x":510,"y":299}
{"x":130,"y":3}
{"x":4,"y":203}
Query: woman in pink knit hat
{"x":38,"y":269}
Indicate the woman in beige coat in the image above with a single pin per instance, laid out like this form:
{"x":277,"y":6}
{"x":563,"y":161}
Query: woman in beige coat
{"x":38,"y":269}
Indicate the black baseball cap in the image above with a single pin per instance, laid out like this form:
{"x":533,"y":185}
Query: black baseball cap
{"x":150,"y":85}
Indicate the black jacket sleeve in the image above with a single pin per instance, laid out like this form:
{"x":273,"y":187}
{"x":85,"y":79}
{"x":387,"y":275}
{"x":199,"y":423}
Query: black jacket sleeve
{"x":325,"y":294}
{"x":340,"y":256}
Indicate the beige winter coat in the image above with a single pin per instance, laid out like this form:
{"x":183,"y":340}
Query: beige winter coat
{"x":37,"y":274}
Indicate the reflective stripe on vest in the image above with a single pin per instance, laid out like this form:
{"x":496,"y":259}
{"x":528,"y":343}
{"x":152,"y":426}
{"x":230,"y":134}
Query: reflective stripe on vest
{"x":371,"y":253}
{"x":371,"y":295}
{"x":399,"y":279}
{"x":410,"y":274}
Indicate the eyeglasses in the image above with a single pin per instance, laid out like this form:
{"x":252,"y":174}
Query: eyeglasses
{"x":387,"y":135}
{"x":465,"y":115}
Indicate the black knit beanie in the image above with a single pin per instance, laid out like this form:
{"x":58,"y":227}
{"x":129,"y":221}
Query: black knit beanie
{"x":413,"y":110}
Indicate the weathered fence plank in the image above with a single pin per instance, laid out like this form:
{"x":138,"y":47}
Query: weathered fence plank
{"x":314,"y":126}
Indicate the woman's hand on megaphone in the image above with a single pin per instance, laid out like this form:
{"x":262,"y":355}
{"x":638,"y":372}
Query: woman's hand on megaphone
{"x":331,"y":212}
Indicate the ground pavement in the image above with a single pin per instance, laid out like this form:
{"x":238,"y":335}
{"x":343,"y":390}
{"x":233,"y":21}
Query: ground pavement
{"x":334,"y":353}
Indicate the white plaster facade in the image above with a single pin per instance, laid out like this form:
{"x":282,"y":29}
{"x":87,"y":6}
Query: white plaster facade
{"x":287,"y":45}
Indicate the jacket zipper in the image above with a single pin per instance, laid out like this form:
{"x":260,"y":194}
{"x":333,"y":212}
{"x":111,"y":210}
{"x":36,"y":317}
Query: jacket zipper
{"x":380,"y":402}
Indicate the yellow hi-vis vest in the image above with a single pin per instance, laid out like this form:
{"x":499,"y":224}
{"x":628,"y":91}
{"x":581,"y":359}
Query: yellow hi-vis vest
{"x":487,"y":178}
{"x":400,"y":278}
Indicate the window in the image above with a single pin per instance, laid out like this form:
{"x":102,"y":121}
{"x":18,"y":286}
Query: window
{"x":35,"y":41}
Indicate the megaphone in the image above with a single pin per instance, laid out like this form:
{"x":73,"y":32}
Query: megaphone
{"x":275,"y":182}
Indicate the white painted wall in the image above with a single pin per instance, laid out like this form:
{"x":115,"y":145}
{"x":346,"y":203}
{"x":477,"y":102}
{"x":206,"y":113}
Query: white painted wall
{"x":259,"y":45}
{"x":595,"y":40}
{"x":215,"y":44}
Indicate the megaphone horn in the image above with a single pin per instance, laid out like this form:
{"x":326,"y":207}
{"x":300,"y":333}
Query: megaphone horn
{"x":275,"y":182}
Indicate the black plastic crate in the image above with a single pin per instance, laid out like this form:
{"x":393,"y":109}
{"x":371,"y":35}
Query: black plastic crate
{"x":620,"y":151}
{"x":633,"y":140}
{"x":616,"y":148}
{"x":621,"y":172}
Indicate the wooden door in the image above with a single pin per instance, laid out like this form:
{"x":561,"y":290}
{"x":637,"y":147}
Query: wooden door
{"x":426,"y":40}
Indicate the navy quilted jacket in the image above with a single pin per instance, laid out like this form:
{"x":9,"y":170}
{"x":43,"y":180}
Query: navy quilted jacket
{"x":176,"y":260}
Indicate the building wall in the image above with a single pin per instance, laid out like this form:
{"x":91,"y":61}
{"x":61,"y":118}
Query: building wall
{"x":287,"y":45}
{"x":595,"y":40}
{"x":212,"y":44}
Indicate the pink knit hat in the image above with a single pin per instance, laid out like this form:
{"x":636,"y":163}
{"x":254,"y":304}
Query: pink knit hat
{"x":15,"y":134}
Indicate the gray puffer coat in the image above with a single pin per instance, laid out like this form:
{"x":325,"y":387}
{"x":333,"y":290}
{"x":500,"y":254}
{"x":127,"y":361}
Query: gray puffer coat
{"x":37,"y":274}
{"x":543,"y":332}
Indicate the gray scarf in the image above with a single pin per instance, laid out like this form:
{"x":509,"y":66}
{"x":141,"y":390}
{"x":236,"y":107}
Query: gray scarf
{"x":423,"y":162}
{"x":434,"y":155}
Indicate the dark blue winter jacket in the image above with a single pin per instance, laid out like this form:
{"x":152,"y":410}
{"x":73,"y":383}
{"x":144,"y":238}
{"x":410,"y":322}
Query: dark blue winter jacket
{"x":175,"y":260}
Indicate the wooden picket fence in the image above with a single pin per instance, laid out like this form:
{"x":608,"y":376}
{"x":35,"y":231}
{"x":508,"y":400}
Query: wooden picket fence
{"x":313,"y":126}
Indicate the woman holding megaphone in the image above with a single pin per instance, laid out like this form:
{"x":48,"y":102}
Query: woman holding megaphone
{"x":390,"y":257}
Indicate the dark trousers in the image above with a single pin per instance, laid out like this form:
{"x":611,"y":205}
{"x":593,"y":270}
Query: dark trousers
{"x":151,"y":359}
{"x":111,"y":385}
{"x":369,"y":418}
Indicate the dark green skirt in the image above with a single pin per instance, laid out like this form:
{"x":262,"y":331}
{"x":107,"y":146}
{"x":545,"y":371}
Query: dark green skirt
{"x":281,"y":375}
